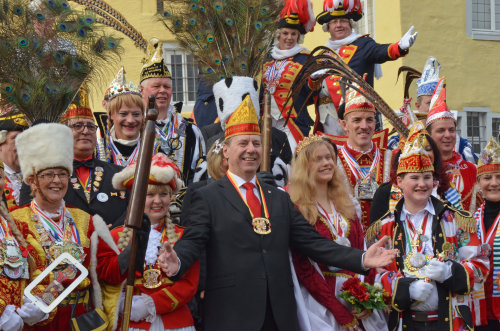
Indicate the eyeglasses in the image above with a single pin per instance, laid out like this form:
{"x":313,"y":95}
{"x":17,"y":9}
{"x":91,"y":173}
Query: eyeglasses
{"x":79,"y":127}
{"x":51,"y":175}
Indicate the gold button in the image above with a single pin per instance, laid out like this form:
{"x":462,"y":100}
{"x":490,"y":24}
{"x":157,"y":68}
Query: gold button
{"x":404,"y":326}
{"x":395,"y":305}
{"x":447,"y":298}
{"x":440,"y":235}
{"x":446,"y":319}
{"x":395,"y":243}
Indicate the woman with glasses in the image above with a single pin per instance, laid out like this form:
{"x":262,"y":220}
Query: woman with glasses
{"x":46,"y":159}
{"x":20,"y":264}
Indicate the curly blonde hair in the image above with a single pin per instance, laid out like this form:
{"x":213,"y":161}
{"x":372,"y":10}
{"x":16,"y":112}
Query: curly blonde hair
{"x":302,"y":185}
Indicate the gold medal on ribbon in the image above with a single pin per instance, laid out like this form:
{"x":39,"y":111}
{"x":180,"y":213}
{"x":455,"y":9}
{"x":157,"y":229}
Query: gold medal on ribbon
{"x":151,"y":278}
{"x":261,"y":225}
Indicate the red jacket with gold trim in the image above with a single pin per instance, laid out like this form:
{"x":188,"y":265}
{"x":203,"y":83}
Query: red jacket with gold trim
{"x":322,"y":286}
{"x":462,"y":178}
{"x":170,"y":298}
{"x":454,"y":300}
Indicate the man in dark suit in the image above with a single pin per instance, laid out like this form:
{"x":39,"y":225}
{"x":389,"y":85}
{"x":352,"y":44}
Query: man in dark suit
{"x":90,"y":187}
{"x":246,"y":229}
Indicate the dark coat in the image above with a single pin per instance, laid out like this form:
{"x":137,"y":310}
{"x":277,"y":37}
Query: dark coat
{"x":244,"y":269}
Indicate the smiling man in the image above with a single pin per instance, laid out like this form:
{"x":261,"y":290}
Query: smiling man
{"x":365,"y":163}
{"x":442,"y":127}
{"x":360,"y":52}
{"x":246,"y":228}
{"x":177,"y":137}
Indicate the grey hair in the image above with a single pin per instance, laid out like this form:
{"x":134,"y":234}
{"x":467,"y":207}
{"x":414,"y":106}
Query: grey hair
{"x":354,"y":25}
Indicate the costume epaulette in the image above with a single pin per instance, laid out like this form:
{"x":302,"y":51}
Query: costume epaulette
{"x":464,"y":219}
{"x":375,"y":228}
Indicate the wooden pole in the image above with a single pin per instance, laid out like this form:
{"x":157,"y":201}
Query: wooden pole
{"x":266,"y":133}
{"x":135,"y":209}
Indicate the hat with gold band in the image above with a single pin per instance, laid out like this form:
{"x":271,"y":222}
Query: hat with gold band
{"x":297,"y":14}
{"x":11,"y":122}
{"x":80,"y":107}
{"x":350,"y":9}
{"x":155,"y":66}
{"x":414,"y":157}
{"x":243,"y":121}
{"x":355,"y":101}
{"x":489,"y":160}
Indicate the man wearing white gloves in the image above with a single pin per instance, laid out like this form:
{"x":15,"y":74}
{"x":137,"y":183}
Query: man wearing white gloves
{"x":360,"y":52}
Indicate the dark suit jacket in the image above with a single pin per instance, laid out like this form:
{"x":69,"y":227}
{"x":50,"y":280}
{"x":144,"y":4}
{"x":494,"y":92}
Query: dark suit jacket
{"x":243,"y":268}
{"x":112,"y":211}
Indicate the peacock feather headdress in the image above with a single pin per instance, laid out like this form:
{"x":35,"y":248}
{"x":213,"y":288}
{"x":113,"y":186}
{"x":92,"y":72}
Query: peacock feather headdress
{"x":228,"y":38}
{"x":47,"y":50}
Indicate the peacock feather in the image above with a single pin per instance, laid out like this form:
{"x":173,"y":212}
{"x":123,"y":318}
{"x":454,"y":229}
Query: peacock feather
{"x":227,"y":37}
{"x":47,"y":50}
{"x":334,"y":65}
{"x":107,"y":15}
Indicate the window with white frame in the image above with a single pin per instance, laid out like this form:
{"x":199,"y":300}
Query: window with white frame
{"x":483,"y":19}
{"x":184,"y":70}
{"x":366,"y":25}
{"x":477,"y":124}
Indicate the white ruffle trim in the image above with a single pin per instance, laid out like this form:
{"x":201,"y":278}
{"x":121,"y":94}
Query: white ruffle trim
{"x":154,"y":243}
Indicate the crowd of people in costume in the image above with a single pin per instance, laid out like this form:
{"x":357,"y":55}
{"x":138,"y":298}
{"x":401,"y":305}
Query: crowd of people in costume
{"x":224,"y":245}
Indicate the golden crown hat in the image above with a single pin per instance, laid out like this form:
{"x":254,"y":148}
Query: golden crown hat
{"x":355,"y":101}
{"x":489,"y":160}
{"x":438,"y":109}
{"x":120,"y":86}
{"x":80,"y":107}
{"x":155,"y":66}
{"x":414,"y":157}
{"x":243,"y":121}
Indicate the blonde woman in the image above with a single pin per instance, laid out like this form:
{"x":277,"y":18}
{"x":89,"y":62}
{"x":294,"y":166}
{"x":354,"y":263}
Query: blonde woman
{"x":318,"y":189}
{"x":158,"y":302}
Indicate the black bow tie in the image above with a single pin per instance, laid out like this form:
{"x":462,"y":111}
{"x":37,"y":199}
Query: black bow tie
{"x":86,"y":163}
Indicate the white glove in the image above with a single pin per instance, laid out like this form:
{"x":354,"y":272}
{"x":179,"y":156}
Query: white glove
{"x":438,"y":271}
{"x":31,"y":314}
{"x":408,"y":39}
{"x":315,"y":75}
{"x":10,"y":321}
{"x":143,"y":308}
{"x":420,"y":290}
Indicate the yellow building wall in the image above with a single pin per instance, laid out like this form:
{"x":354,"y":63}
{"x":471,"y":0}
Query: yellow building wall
{"x":470,"y":66}
{"x":140,"y":13}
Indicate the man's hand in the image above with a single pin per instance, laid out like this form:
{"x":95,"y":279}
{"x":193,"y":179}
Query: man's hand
{"x":376,"y":256}
{"x":168,"y":260}
{"x":408,"y":39}
{"x":438,"y":270}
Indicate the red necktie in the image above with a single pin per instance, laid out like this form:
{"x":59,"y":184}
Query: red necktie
{"x":252,"y":200}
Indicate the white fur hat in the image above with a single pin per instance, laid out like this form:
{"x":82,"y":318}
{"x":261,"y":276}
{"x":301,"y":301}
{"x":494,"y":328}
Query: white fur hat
{"x":229,"y":93}
{"x":45,"y":145}
{"x":163,"y":172}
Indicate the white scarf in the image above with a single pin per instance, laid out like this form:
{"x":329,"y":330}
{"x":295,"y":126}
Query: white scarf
{"x":280,"y":54}
{"x":336,"y":44}
{"x":132,"y":142}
